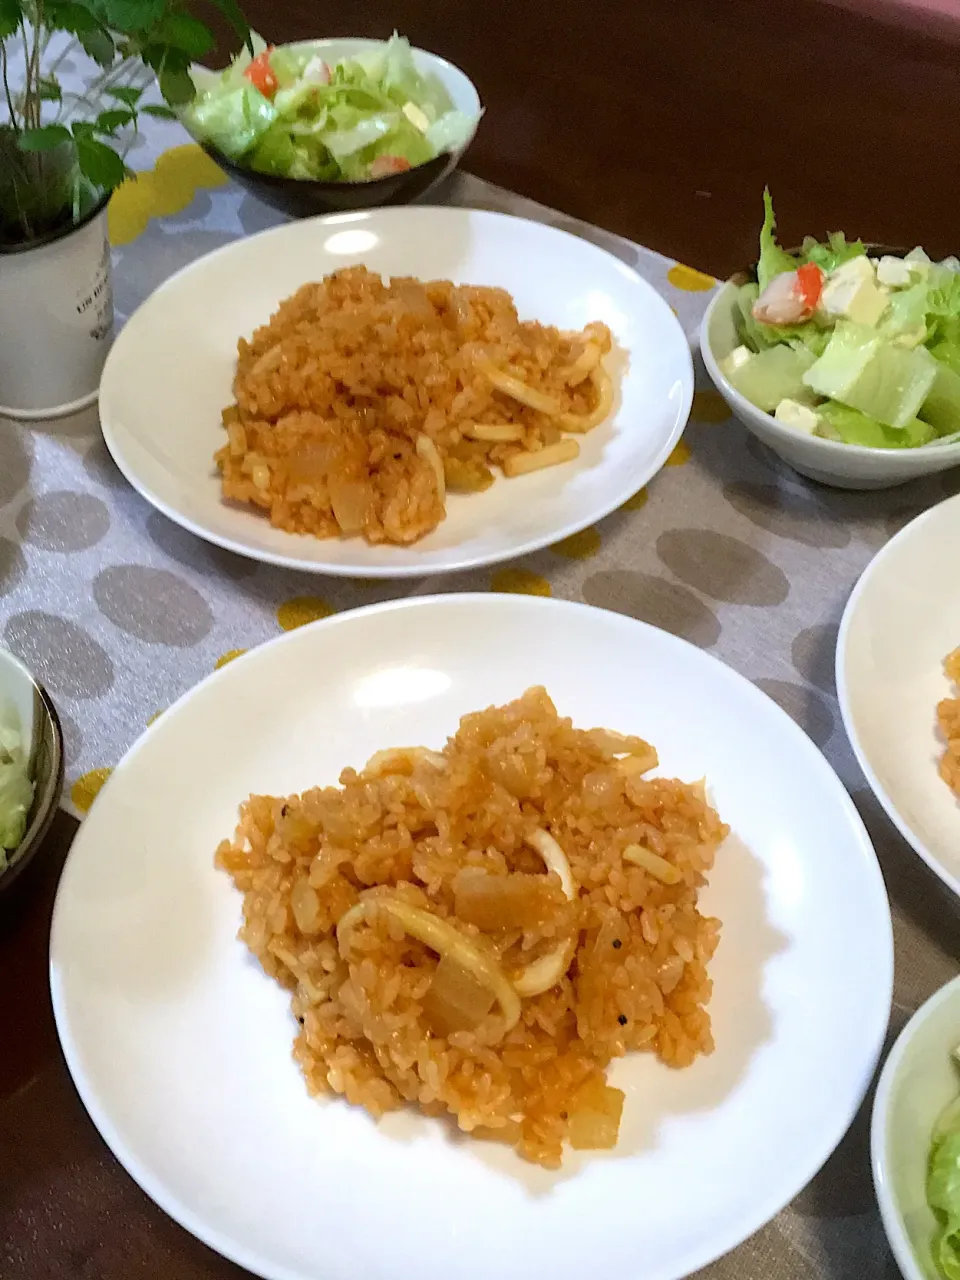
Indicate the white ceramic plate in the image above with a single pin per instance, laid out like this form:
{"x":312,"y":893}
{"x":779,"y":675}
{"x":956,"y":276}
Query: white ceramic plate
{"x":901,"y":621}
{"x":170,"y":373}
{"x":180,"y":1046}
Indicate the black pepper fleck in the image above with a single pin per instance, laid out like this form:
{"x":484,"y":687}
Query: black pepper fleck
{"x":617,"y":944}
{"x":300,"y":1020}
{"x":284,"y":810}
{"x":622,"y":1019}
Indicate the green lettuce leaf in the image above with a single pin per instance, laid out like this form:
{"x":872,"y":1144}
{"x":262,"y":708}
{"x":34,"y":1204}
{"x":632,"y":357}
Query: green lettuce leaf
{"x":866,"y":371}
{"x":232,"y":120}
{"x":947,"y":353}
{"x":773,"y":260}
{"x":942,"y":405}
{"x":771,"y":376}
{"x":943,"y":1195}
{"x":16,"y":789}
{"x":840,"y":422}
{"x":834,"y":253}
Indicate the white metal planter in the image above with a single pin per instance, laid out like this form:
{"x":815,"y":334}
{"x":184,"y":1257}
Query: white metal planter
{"x":56,"y":320}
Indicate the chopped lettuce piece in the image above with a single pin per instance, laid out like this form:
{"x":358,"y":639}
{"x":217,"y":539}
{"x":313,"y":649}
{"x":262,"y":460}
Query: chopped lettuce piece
{"x":16,"y":788}
{"x":773,"y":260}
{"x":450,"y":131}
{"x":840,"y":422}
{"x":942,"y":405}
{"x":232,"y":120}
{"x":862,"y":369}
{"x":833,"y":254}
{"x":771,"y":376}
{"x":947,"y":353}
{"x":943,"y":1195}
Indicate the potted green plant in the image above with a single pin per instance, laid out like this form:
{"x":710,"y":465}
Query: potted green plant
{"x":61,"y":156}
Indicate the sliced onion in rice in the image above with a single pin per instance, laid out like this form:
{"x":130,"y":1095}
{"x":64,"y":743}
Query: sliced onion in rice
{"x":554,"y":859}
{"x":540,"y":975}
{"x":658,"y":867}
{"x":429,"y":453}
{"x":456,"y":1001}
{"x":440,"y":936}
{"x":612,"y":743}
{"x":400,"y":759}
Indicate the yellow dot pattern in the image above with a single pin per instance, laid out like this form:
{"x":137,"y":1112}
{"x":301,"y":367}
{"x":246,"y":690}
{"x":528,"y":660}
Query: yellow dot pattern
{"x":689,"y":280}
{"x":301,"y":610}
{"x":638,"y":500}
{"x":229,"y":657}
{"x":680,"y":455}
{"x":579,"y":546}
{"x":167,"y":188}
{"x":86,"y":788}
{"x":709,"y":406}
{"x":520,"y":582}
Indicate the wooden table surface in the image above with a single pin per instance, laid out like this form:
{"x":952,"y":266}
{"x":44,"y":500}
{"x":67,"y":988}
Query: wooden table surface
{"x":659,"y":119}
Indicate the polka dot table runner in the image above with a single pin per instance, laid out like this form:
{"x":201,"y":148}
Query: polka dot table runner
{"x":119,"y":611}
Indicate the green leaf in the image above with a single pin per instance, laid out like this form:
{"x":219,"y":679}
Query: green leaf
{"x":186,"y":33}
{"x":66,"y":15}
{"x":99,"y":163}
{"x":234,"y":15}
{"x":98,"y":45}
{"x":834,"y":253}
{"x":45,"y":139}
{"x":83,"y":129}
{"x":159,"y":112}
{"x":111,"y":120}
{"x":49,"y":90}
{"x":176,"y":86}
{"x":11,"y":13}
{"x":125,"y":93}
{"x":773,"y":260}
{"x":133,"y":15}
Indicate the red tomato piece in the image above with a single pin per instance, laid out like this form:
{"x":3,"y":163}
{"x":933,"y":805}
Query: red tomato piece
{"x":383,"y":166}
{"x":810,"y":285}
{"x":261,"y":74}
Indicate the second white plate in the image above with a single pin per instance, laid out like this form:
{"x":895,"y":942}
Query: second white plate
{"x":180,"y":1045}
{"x":901,"y":621}
{"x":170,"y":373}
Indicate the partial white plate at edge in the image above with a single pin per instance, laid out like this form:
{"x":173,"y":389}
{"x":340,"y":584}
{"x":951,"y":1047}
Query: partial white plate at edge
{"x":169,"y":376}
{"x":901,"y":621}
{"x":180,"y":1046}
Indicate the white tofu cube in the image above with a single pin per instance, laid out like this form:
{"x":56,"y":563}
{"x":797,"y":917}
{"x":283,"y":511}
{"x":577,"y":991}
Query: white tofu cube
{"x":852,"y":293}
{"x":918,"y":261}
{"x":419,"y":119}
{"x":893,"y":272}
{"x":799,"y":417}
{"x":737,"y":359}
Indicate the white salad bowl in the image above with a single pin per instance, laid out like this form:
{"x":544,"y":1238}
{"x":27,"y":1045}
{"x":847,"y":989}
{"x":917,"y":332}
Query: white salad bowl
{"x":845,"y":466}
{"x":918,"y":1081}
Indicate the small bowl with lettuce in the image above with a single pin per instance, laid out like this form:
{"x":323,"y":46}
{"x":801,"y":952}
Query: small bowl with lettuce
{"x":324,"y":126}
{"x":31,"y":767}
{"x":843,"y":358}
{"x":915,"y":1141}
